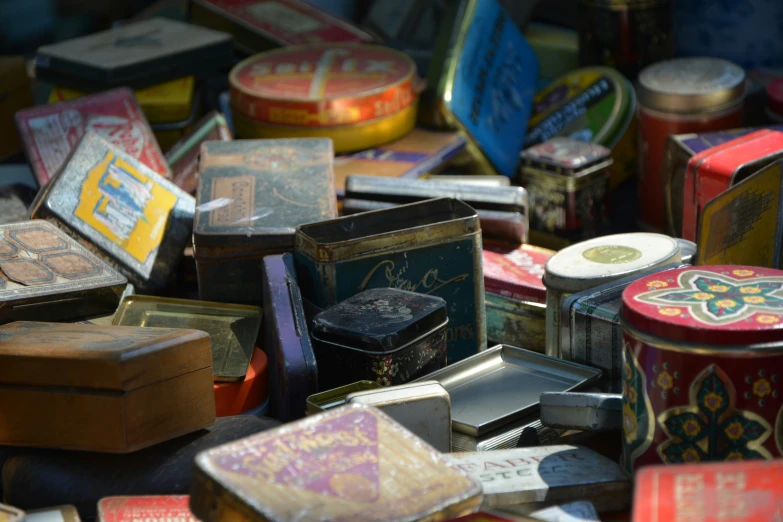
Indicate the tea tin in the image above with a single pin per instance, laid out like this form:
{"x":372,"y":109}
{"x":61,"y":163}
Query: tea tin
{"x":137,"y":54}
{"x":286,"y":340}
{"x":361,"y":466}
{"x":737,"y":491}
{"x":422,"y":407}
{"x":66,"y":513}
{"x":11,"y":514}
{"x":259,"y":25}
{"x":132,"y":218}
{"x":248,"y":395}
{"x":330,"y":399}
{"x":183,"y":157}
{"x":582,"y":411}
{"x":702,"y":364}
{"x":161,"y":508}
{"x":595,"y":262}
{"x":432,"y":247}
{"x":483,"y":74}
{"x":251,"y":196}
{"x":16,"y":94}
{"x":548,"y":473}
{"x":387,"y":335}
{"x":567,"y":181}
{"x":50,"y":132}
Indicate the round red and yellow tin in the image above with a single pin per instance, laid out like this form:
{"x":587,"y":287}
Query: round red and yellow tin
{"x":323,"y":85}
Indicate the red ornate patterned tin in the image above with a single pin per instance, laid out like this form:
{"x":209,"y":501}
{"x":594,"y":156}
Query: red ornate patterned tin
{"x":719,"y":492}
{"x":515,"y":271}
{"x":703,"y":362}
{"x":323,"y":85}
{"x":49,"y":132}
{"x":172,"y":508}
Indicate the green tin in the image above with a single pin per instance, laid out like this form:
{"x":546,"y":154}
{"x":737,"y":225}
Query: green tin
{"x":514,"y":322}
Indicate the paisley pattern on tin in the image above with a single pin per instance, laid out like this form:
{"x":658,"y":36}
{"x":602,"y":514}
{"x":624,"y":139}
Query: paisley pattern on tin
{"x":711,"y":428}
{"x":719,"y":299}
{"x":638,"y":416}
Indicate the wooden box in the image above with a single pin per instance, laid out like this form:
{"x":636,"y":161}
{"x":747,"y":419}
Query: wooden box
{"x":111,"y":389}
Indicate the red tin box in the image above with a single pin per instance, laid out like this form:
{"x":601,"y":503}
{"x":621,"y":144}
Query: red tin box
{"x":145,"y":509}
{"x":515,"y":271}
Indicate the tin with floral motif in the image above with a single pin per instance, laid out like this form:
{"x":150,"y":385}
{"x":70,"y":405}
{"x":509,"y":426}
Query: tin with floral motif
{"x":703,"y":362}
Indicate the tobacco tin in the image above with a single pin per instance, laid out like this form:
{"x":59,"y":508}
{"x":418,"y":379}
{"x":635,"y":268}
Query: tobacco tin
{"x":516,"y":323}
{"x":581,"y":511}
{"x":372,"y":469}
{"x":330,"y":399}
{"x":183,"y":157}
{"x":423,"y":407}
{"x":548,"y":473}
{"x":432,"y":247}
{"x":50,"y":132}
{"x":582,"y":411}
{"x":134,"y":219}
{"x":233,"y":329}
{"x":483,"y":74}
{"x":287,"y":342}
{"x":65,"y":513}
{"x":171,"y":508}
{"x":251,"y":196}
{"x":44,"y":273}
{"x":503,"y":384}
{"x":259,"y":25}
{"x":11,"y":514}
{"x":515,"y":271}
{"x":138,"y":54}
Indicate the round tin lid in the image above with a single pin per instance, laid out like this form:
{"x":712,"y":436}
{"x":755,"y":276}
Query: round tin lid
{"x":775,"y":96}
{"x":515,"y":271}
{"x":722,"y":304}
{"x":323,"y":85}
{"x":604,"y":259}
{"x":690,"y":85}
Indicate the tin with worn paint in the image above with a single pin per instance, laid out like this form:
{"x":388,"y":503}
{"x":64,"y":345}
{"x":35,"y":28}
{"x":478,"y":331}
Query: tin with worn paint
{"x":483,"y":74}
{"x":703,"y":364}
{"x":387,"y":335}
{"x":432,"y":247}
{"x":595,"y":262}
{"x":567,"y":181}
{"x":251,"y":196}
{"x":330,"y":399}
{"x":119,"y":209}
{"x":183,"y":158}
{"x":582,"y":411}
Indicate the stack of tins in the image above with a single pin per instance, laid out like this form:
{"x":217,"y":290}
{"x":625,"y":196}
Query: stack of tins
{"x":360,"y":96}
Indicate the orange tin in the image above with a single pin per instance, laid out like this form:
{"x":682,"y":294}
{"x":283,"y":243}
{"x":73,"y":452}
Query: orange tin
{"x":234,"y":398}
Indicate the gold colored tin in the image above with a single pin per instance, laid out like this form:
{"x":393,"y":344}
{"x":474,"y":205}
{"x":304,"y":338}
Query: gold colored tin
{"x":329,"y":399}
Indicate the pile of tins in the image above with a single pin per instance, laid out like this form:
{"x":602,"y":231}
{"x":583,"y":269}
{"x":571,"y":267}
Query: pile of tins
{"x":427,"y":359}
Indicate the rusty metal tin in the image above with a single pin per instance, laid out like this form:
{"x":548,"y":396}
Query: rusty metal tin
{"x":44,"y":273}
{"x":11,"y":514}
{"x":115,"y":206}
{"x":703,"y":361}
{"x":251,"y":197}
{"x":432,"y":247}
{"x":567,"y":181}
{"x":330,"y":399}
{"x":170,"y":508}
{"x":183,"y":157}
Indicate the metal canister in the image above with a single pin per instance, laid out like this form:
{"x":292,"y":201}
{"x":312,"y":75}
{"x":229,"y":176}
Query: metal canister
{"x":592,"y":263}
{"x":432,"y":247}
{"x":677,"y":97}
{"x":184,"y":155}
{"x":703,"y":365}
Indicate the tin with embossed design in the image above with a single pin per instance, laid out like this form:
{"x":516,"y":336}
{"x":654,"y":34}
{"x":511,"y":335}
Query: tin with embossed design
{"x":703,"y":361}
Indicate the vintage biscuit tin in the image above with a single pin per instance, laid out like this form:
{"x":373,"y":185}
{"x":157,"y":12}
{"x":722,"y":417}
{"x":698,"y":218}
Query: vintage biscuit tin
{"x":183,"y":157}
{"x":132,"y":218}
{"x":715,"y":170}
{"x":15,"y":95}
{"x":11,"y":514}
{"x":483,"y":74}
{"x":595,"y":262}
{"x":50,"y":132}
{"x":387,"y":335}
{"x":702,"y":366}
{"x":432,"y":247}
{"x":251,"y":196}
{"x":44,"y":273}
{"x":582,"y":411}
{"x":149,"y":384}
{"x":138,"y":54}
{"x":423,"y":407}
{"x":259,"y":25}
{"x":358,"y":464}
{"x":330,"y":399}
{"x":736,"y":491}
{"x":567,"y":182}
{"x":233,"y":329}
{"x":173,"y":508}
{"x":66,"y":513}
{"x":236,"y":398}
{"x":548,"y":473}
{"x":286,"y":340}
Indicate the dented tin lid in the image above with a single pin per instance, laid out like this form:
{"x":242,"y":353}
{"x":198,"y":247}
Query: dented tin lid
{"x":565,"y":156}
{"x":380,"y":320}
{"x":722,"y":304}
{"x":515,"y":271}
{"x":604,"y":259}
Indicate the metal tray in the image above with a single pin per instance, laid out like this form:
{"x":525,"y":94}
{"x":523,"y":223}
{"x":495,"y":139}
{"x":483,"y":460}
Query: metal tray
{"x":504,"y":383}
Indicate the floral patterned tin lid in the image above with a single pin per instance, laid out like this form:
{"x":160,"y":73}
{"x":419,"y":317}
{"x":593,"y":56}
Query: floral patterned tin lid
{"x":515,"y":271}
{"x":721,"y":304}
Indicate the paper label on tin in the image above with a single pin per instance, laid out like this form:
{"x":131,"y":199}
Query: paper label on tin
{"x":172,"y":508}
{"x":239,"y":194}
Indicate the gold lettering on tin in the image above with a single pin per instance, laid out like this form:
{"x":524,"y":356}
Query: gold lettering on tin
{"x":431,"y":281}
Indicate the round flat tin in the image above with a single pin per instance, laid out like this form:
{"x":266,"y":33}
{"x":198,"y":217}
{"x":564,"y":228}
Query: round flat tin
{"x":604,"y":259}
{"x":515,"y":271}
{"x":323,"y":85}
{"x":720,"y":304}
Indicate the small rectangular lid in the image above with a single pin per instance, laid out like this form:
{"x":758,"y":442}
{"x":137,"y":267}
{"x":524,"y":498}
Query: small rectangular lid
{"x":156,"y":508}
{"x":515,"y":271}
{"x":565,"y":155}
{"x":119,"y":358}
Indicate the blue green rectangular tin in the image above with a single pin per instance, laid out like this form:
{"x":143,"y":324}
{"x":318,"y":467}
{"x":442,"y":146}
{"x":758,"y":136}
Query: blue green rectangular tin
{"x":432,"y":247}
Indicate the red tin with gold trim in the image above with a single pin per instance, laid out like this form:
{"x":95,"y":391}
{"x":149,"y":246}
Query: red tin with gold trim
{"x":703,"y":366}
{"x":515,"y":271}
{"x":161,"y":508}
